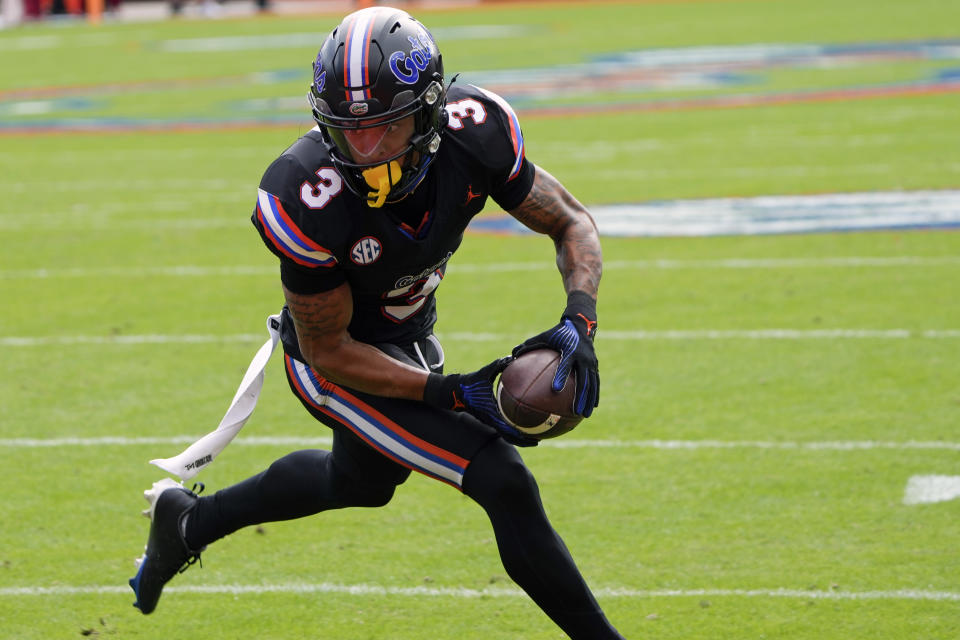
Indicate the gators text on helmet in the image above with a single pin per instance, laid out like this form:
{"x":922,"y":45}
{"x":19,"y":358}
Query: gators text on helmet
{"x":379,"y":66}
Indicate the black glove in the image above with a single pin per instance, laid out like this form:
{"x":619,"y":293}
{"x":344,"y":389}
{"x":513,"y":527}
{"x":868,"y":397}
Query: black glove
{"x":573,"y":338}
{"x":473,"y":393}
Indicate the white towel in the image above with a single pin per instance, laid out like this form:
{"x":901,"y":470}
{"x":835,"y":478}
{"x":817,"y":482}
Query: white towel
{"x":203,"y":451}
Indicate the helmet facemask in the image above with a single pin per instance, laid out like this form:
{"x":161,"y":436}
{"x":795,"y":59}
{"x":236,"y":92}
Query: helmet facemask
{"x":393,"y":177}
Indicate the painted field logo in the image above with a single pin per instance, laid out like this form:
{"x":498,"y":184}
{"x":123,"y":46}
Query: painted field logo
{"x":366,"y":251}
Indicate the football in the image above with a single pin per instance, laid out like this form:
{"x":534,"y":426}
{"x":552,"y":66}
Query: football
{"x":527,"y":400}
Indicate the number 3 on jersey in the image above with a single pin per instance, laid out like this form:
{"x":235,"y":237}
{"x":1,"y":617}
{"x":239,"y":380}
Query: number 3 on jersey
{"x":461,"y":109}
{"x":316,"y":196}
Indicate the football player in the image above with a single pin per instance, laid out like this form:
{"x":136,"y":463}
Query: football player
{"x":364,"y":212}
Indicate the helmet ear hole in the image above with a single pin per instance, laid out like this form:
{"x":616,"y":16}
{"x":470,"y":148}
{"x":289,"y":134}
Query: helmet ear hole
{"x":319,"y":104}
{"x":402,"y":99}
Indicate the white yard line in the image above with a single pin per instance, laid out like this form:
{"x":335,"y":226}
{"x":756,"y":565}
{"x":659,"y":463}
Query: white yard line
{"x":174,"y":271}
{"x":606,"y":335}
{"x":43,"y":341}
{"x":120,"y":441}
{"x":781,"y":334}
{"x":495,"y":592}
{"x":838,"y":262}
{"x":561,"y":443}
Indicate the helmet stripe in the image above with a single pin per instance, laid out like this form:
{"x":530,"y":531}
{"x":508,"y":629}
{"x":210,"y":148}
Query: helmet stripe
{"x":347,"y":52}
{"x":356,"y":56}
{"x":367,"y":93}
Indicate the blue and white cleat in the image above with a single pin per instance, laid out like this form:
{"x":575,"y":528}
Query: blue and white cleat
{"x":167,"y":553}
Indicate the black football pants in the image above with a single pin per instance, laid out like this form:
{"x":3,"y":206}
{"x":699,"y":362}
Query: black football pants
{"x":354,"y":473}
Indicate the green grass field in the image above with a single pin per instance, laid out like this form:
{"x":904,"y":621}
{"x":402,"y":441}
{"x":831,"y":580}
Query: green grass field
{"x":736,"y":482}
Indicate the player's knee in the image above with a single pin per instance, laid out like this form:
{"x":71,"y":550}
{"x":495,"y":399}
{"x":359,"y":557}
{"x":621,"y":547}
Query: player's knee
{"x":357,"y":495}
{"x":354,"y":488}
{"x":359,"y":485}
{"x":315,"y":472}
{"x":497,"y":473}
{"x":296,"y":469}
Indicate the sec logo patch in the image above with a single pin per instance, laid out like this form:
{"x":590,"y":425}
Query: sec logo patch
{"x":366,"y":250}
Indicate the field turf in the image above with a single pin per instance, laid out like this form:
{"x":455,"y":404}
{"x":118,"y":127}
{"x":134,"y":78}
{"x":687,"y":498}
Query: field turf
{"x":765,"y":400}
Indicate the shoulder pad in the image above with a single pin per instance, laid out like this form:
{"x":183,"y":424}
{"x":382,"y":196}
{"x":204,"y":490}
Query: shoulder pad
{"x":490,"y":125}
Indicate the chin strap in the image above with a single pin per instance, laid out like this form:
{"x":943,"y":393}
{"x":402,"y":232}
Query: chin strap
{"x":382,"y":178}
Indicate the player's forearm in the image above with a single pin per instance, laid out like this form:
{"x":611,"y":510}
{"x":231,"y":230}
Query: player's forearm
{"x":579,"y":258}
{"x":321,"y":321}
{"x":549,"y":208}
{"x":365,"y":368}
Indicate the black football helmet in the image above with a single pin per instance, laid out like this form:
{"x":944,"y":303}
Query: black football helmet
{"x":377,"y":67}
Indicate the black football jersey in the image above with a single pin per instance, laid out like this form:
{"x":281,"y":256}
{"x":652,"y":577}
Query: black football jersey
{"x":394,"y":257}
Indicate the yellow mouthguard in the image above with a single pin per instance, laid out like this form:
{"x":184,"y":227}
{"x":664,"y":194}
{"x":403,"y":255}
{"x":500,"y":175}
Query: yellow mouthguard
{"x":381,"y":177}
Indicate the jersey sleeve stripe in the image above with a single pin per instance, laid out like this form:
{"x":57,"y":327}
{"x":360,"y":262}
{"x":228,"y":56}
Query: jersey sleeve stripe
{"x":516,"y":135}
{"x":381,"y":433}
{"x":285,"y":235}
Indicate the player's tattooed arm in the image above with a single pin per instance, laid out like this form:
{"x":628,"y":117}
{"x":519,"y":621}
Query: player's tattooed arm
{"x":549,"y":208}
{"x":321,"y":318}
{"x":321,"y":321}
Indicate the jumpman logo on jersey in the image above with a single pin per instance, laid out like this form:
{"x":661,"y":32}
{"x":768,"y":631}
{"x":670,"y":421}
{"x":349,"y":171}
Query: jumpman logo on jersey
{"x":470,"y":194}
{"x":590,"y":323}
